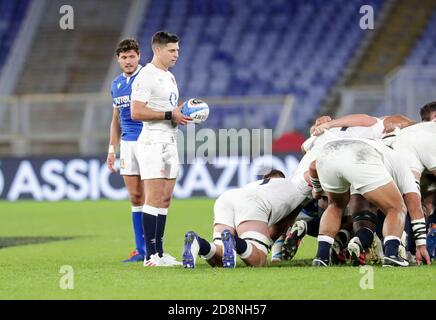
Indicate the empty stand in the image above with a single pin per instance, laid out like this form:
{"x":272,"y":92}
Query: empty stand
{"x":424,"y":51}
{"x":11,"y":16}
{"x":71,"y":61}
{"x":393,"y":42}
{"x":249,"y":48}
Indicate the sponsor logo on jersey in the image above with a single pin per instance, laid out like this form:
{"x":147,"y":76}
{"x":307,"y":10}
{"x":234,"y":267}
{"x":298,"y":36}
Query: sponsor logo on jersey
{"x":122,"y":101}
{"x":173,"y":99}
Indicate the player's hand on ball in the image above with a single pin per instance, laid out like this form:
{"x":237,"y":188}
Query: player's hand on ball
{"x":110,"y":161}
{"x":422,"y":255}
{"x":179,"y":118}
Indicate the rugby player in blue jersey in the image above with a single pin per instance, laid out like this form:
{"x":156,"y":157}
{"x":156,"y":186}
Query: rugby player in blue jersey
{"x":124,"y":133}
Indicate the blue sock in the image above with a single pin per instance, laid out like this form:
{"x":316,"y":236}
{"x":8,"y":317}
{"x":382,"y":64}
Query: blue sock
{"x":138,"y":230}
{"x":343,"y":237}
{"x":241,"y":245}
{"x":204,"y":246}
{"x":365,"y":236}
{"x":391,"y":246}
{"x":410,"y":245}
{"x":149,"y":220}
{"x":379,"y":225}
{"x":313,"y":227}
{"x":324,"y":246}
{"x":160,"y":229}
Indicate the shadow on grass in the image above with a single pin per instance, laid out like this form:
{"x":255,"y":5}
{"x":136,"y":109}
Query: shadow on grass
{"x":6,"y":242}
{"x":301,"y":263}
{"x":293,"y":263}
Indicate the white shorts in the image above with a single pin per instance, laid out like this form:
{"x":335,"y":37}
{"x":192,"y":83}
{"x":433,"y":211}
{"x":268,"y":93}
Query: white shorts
{"x":342,"y":164}
{"x":158,"y":160}
{"x":400,"y":173}
{"x":129,"y":165}
{"x":224,"y":208}
{"x":236,"y":206}
{"x":250,"y":207}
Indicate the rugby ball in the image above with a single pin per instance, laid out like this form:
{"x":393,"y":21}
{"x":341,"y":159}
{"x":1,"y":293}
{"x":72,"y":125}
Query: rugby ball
{"x":197,"y":109}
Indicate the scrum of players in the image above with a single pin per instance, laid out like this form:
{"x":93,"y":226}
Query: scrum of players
{"x":365,"y":187}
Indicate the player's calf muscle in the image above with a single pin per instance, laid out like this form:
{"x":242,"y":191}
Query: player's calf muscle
{"x":257,"y":258}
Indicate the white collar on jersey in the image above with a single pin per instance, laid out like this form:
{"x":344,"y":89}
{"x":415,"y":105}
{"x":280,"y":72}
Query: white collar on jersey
{"x":156,"y":68}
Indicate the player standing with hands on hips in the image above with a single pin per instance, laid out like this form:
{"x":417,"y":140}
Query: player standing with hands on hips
{"x":154,"y":101}
{"x":124,"y":132}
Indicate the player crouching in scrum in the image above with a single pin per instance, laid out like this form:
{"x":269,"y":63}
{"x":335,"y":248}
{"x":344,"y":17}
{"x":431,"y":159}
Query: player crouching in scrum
{"x":356,"y":163}
{"x":242,"y":218}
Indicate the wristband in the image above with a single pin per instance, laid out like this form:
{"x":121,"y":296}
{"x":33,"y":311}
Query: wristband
{"x":419,"y":231}
{"x":168,"y":115}
{"x":111,"y":149}
{"x":315,"y":184}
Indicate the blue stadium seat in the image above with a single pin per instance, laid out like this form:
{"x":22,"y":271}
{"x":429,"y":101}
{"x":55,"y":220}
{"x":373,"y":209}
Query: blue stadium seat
{"x":423,"y":52}
{"x":11,"y":15}
{"x":248,"y":48}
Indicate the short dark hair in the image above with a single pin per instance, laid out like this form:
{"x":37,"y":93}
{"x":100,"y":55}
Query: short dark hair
{"x":274,"y":173}
{"x":127,"y":45}
{"x":427,"y":110}
{"x":163,"y":38}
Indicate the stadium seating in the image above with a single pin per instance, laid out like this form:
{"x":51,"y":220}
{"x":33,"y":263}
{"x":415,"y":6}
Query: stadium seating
{"x":11,"y":16}
{"x":423,"y":53}
{"x":249,"y":48}
{"x":79,"y":60}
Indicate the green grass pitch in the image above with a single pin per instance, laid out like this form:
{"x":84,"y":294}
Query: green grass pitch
{"x":93,"y":237}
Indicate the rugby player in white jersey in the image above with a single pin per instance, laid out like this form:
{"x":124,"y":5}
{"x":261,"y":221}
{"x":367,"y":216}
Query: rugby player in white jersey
{"x":356,"y":163}
{"x":409,"y":189}
{"x":154,"y":101}
{"x":365,"y":218}
{"x":351,"y":126}
{"x":428,"y":112}
{"x":418,"y":146}
{"x":243,"y":221}
{"x":124,"y":132}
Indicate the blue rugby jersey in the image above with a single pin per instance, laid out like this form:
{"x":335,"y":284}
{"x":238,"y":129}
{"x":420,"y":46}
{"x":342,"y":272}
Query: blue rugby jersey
{"x":121,"y":90}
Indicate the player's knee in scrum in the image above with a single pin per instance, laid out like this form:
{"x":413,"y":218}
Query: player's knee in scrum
{"x":399,"y":209}
{"x":256,"y":240}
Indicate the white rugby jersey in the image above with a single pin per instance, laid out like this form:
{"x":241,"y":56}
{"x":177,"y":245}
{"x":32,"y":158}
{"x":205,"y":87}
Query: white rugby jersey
{"x":372,"y":132}
{"x":417,"y":144}
{"x":279,"y":196}
{"x":313,"y":145}
{"x":158,"y":88}
{"x":303,"y":166}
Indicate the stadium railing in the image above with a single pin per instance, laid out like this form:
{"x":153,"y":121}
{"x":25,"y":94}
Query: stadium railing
{"x":409,"y":88}
{"x":65,"y":124}
{"x":405,"y":90}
